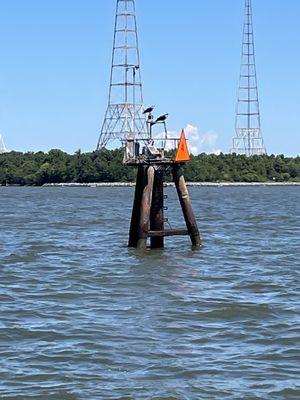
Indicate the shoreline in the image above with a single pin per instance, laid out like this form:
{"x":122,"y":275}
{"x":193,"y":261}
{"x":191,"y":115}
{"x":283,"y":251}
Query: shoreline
{"x":190,"y":184}
{"x":167,"y":184}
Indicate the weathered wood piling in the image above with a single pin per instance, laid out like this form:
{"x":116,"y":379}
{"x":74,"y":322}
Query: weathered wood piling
{"x":186,"y":205}
{"x":147,"y":219}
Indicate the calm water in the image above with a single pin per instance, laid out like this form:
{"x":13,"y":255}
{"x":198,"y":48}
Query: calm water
{"x":83,"y":317}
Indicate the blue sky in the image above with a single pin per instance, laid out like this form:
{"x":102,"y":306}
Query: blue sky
{"x":55,"y":63}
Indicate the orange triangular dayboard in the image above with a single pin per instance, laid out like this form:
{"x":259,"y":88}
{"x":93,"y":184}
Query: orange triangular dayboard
{"x":183,"y":153}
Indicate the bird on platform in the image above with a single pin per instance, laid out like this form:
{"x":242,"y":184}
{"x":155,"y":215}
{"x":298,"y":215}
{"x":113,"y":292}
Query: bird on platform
{"x":149,"y":110}
{"x":162,"y":118}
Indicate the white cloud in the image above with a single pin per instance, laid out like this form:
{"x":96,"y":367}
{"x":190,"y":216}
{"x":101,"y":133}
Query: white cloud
{"x":3,"y":149}
{"x":201,"y":142}
{"x":198,"y":142}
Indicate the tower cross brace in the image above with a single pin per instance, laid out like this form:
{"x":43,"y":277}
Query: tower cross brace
{"x":124,"y":116}
{"x":248,"y":138}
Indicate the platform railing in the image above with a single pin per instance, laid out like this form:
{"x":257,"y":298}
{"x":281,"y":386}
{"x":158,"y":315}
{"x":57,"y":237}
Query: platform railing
{"x":137,"y":151}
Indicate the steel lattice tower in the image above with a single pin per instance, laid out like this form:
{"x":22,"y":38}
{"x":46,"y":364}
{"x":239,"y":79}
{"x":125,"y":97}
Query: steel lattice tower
{"x":3,"y":149}
{"x":124,"y":116}
{"x":248,"y":139}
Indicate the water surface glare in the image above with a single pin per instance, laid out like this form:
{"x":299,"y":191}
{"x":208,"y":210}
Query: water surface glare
{"x":83,"y":317}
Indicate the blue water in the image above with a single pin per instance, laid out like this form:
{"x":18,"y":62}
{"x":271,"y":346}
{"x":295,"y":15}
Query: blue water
{"x":83,"y":317}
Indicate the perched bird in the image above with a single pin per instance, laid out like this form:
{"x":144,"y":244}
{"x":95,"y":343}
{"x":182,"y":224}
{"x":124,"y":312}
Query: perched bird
{"x":162,"y":118}
{"x":149,"y":110}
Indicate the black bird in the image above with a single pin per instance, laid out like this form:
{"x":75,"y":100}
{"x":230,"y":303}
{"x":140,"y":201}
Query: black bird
{"x":149,"y":110}
{"x":162,"y":118}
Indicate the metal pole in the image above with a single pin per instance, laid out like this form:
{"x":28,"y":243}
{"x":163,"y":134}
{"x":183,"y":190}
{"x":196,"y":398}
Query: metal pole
{"x":134,"y":72}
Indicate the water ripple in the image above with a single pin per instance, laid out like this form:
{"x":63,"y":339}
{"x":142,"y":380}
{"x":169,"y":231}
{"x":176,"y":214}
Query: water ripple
{"x":82,"y":316}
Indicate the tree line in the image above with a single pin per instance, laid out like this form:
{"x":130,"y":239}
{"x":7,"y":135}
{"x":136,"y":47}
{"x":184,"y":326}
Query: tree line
{"x":57,"y":166}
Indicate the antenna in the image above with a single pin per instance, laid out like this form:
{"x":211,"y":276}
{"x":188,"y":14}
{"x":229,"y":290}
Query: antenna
{"x":124,"y":117}
{"x":248,"y":138}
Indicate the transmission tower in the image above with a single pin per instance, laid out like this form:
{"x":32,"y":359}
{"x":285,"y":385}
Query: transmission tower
{"x":3,"y":149}
{"x":124,"y":116}
{"x":248,"y":138}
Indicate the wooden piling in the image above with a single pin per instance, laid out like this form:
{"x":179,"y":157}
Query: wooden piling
{"x":186,"y":206}
{"x":136,"y":210}
{"x":145,"y":209}
{"x":157,"y":210}
{"x":148,"y":209}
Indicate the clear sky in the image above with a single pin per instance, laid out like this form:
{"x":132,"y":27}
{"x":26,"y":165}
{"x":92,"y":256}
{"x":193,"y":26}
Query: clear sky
{"x":55,"y":64}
